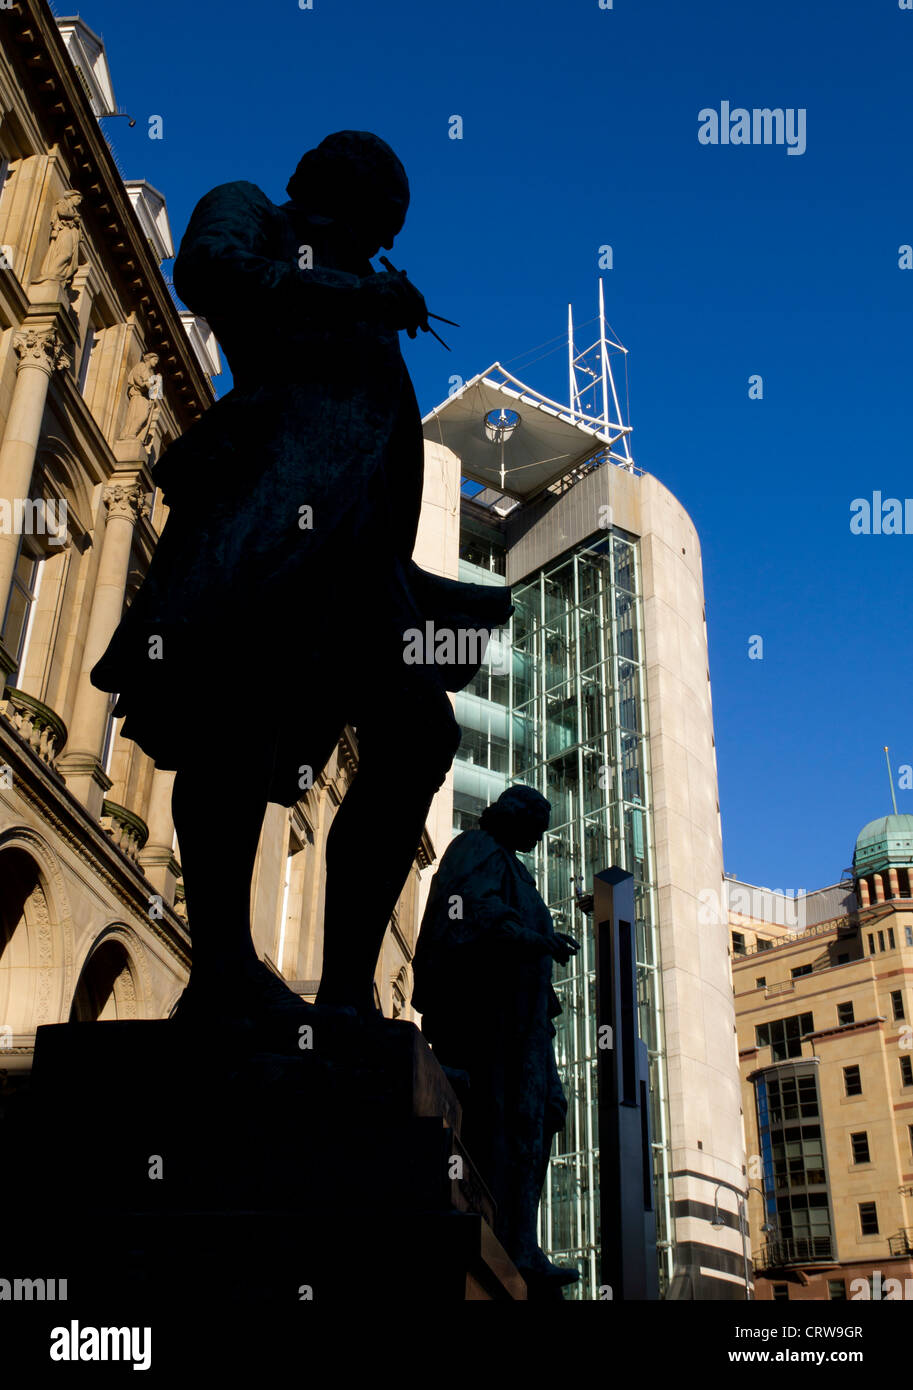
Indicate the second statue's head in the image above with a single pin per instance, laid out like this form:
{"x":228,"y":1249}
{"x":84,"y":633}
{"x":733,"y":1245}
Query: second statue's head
{"x":353,"y":180}
{"x":518,"y":819}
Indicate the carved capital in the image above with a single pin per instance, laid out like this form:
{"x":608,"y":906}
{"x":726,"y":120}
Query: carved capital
{"x":41,"y":347}
{"x":126,"y":500}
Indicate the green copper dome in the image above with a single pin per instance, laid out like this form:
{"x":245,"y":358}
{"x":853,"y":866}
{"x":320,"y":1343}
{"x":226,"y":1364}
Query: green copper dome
{"x":883,"y":844}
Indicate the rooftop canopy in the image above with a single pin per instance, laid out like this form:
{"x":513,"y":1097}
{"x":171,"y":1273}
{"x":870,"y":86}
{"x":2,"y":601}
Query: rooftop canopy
{"x":513,"y":440}
{"x":884,"y":843}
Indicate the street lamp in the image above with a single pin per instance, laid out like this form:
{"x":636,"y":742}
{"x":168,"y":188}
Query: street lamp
{"x":719,"y":1224}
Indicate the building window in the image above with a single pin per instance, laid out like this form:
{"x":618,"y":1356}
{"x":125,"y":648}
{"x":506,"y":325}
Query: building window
{"x":910,"y":1129}
{"x":871,"y":941}
{"x":845,"y":1013}
{"x":798,"y":1157}
{"x":89,"y":347}
{"x":781,"y":1292}
{"x":763,"y":943}
{"x":868,"y":1218}
{"x":760,"y":982}
{"x":738,"y":944}
{"x":792,"y":1098}
{"x":21,"y":606}
{"x":784,"y":1035}
{"x":891,"y":937}
{"x":804,"y":1218}
{"x":852,"y":1081}
{"x":897,"y":1003}
{"x":908,"y":935}
{"x":860,"y":1146}
{"x":881,"y":941}
{"x":906,"y":1071}
{"x":107,"y":746}
{"x":798,"y":970}
{"x":836,"y":1289}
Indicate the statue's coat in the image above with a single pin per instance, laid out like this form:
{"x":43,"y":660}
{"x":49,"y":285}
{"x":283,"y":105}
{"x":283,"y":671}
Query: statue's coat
{"x":483,"y":983}
{"x":266,"y":610}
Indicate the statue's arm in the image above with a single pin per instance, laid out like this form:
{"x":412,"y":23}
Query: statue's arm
{"x":226,"y":266}
{"x":495,"y":922}
{"x":508,"y":931}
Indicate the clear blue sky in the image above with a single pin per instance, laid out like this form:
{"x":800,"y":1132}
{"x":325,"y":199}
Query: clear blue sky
{"x":580,"y":128}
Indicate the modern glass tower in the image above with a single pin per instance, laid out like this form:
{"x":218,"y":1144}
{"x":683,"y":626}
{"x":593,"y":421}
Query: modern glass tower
{"x":598,"y":696}
{"x":560,"y":706}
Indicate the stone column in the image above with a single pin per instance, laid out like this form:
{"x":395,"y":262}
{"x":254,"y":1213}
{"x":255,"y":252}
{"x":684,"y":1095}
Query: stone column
{"x":863,"y":892}
{"x":893,"y":884}
{"x":157,"y":858}
{"x":41,"y":351}
{"x":878,"y":880}
{"x":81,"y":765}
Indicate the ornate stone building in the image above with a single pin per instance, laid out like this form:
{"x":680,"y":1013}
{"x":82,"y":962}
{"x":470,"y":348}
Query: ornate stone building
{"x":99,"y":370}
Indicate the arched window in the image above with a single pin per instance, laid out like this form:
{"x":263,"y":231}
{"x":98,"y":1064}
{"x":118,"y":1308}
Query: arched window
{"x":25,"y":930}
{"x":106,"y":989}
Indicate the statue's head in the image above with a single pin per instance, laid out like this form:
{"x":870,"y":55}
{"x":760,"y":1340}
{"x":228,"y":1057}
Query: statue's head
{"x":355,"y":181}
{"x":518,"y":819}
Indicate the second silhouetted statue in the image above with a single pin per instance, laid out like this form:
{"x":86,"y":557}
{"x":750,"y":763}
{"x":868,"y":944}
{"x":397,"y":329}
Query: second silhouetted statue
{"x":274,"y":608}
{"x":483,"y":982}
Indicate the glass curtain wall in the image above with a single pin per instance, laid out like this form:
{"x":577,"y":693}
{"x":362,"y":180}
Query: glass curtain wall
{"x":579,"y":735}
{"x":565,"y":712}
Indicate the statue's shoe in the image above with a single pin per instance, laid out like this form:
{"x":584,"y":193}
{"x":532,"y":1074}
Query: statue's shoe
{"x":250,"y":998}
{"x":543,"y":1272}
{"x":365,"y":1010}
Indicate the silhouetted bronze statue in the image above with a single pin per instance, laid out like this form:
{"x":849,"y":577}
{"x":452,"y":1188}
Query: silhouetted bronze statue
{"x":483,"y":983}
{"x":275,"y":605}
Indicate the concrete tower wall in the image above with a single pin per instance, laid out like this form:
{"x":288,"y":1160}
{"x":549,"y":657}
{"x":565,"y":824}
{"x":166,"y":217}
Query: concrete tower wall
{"x":437,"y":549}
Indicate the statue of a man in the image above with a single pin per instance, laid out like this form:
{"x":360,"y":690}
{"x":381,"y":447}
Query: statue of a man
{"x":283,"y":582}
{"x":61,"y":259}
{"x":483,"y":984}
{"x":141,"y":383}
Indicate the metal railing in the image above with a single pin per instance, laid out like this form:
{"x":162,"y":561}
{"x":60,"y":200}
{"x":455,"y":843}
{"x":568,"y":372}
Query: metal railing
{"x":901,"y":1243}
{"x":776,"y":1254}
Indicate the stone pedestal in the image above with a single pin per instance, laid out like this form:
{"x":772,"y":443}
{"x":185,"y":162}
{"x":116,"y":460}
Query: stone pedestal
{"x":314,"y":1164}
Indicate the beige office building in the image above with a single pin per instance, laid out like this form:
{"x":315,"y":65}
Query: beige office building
{"x":824,"y":999}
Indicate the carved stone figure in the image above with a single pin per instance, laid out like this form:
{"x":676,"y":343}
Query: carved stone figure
{"x":483,"y":984}
{"x":140,"y":385}
{"x":61,"y":259}
{"x":293,"y":508}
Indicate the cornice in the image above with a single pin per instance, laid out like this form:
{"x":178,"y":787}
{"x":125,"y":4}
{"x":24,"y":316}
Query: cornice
{"x":62,"y":108}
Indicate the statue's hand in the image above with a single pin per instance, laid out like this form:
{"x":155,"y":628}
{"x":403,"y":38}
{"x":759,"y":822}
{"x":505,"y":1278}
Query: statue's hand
{"x":563,"y":947}
{"x":397,"y":303}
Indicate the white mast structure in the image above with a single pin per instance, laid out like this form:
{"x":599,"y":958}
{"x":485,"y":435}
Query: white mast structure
{"x":592,"y":391}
